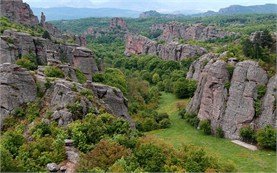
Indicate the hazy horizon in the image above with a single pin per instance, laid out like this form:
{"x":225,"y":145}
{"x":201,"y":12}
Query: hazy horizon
{"x":145,"y":5}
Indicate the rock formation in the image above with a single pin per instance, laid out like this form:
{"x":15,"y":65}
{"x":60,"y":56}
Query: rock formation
{"x":118,"y":23}
{"x":14,"y":45}
{"x":17,"y":87}
{"x":168,"y":51}
{"x":17,"y":11}
{"x":231,"y":108}
{"x":175,"y":30}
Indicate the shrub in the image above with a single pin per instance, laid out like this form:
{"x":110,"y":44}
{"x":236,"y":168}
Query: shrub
{"x":26,"y":63}
{"x":165,"y":123}
{"x":227,"y":85}
{"x":19,"y":112}
{"x":12,"y":140}
{"x":205,"y":126}
{"x":52,"y":71}
{"x":80,"y":76}
{"x":34,"y":155}
{"x":7,"y":162}
{"x":161,"y":116}
{"x":76,"y":109}
{"x":184,"y":89}
{"x":46,"y":35}
{"x":266,"y":137}
{"x":147,"y":124}
{"x":258,"y":107}
{"x":182,"y":113}
{"x":105,"y":154}
{"x":192,"y":119}
{"x":41,"y":129}
{"x":150,"y":157}
{"x":230,"y":69}
{"x":219,"y":132}
{"x":247,"y":134}
{"x":261,"y":90}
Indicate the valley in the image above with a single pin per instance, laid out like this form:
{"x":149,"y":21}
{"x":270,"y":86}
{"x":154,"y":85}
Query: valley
{"x":154,"y":93}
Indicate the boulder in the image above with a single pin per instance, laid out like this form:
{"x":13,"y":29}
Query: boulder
{"x":17,"y":87}
{"x":19,"y":12}
{"x":52,"y":167}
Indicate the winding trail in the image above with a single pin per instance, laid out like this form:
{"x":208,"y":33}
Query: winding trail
{"x":181,"y":132}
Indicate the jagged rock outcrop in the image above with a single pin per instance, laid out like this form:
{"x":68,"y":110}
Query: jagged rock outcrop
{"x":14,"y":45}
{"x":232,"y":108}
{"x":118,"y":23}
{"x":197,"y":66}
{"x":175,"y":30}
{"x":18,"y":12}
{"x":17,"y":87}
{"x":169,"y":51}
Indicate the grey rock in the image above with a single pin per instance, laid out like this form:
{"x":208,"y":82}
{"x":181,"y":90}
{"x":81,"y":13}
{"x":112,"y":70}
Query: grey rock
{"x":198,"y":66}
{"x":240,"y":106}
{"x":52,"y":167}
{"x":17,"y":87}
{"x":268,"y":116}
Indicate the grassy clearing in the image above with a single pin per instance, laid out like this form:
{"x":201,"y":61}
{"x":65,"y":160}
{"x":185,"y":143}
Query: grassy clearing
{"x":181,"y":132}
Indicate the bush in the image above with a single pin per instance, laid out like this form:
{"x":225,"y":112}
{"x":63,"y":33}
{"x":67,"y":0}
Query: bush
{"x":80,"y":76}
{"x":247,"y":134}
{"x":7,"y":162}
{"x":261,"y":90}
{"x":52,"y":71}
{"x":150,"y":157}
{"x":230,"y":69}
{"x":266,"y":138}
{"x":219,"y":132}
{"x":258,"y":107}
{"x":12,"y":140}
{"x":165,"y":123}
{"x":76,"y":109}
{"x":192,"y":119}
{"x":46,"y":35}
{"x":184,"y":89}
{"x":205,"y":127}
{"x":26,"y":63}
{"x":34,"y":155}
{"x":105,"y":154}
{"x":182,"y":113}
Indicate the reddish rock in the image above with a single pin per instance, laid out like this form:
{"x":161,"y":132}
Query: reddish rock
{"x":169,"y":51}
{"x":18,"y":12}
{"x":118,"y":23}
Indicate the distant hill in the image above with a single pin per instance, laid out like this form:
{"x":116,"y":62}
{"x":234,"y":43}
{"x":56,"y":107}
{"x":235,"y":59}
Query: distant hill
{"x":67,"y":13}
{"x":233,"y":9}
{"x":238,"y":9}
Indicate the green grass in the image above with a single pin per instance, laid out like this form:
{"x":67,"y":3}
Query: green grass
{"x":181,"y":132}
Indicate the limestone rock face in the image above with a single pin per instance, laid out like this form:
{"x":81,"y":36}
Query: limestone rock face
{"x":214,"y":95}
{"x":175,"y":30}
{"x":17,"y":87}
{"x":118,"y":23}
{"x":197,"y":66}
{"x":232,"y":108}
{"x":18,"y":12}
{"x":268,"y":116}
{"x":83,"y":60}
{"x":240,"y":106}
{"x":169,"y":51}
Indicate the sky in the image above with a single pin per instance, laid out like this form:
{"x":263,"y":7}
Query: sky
{"x":145,"y":5}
